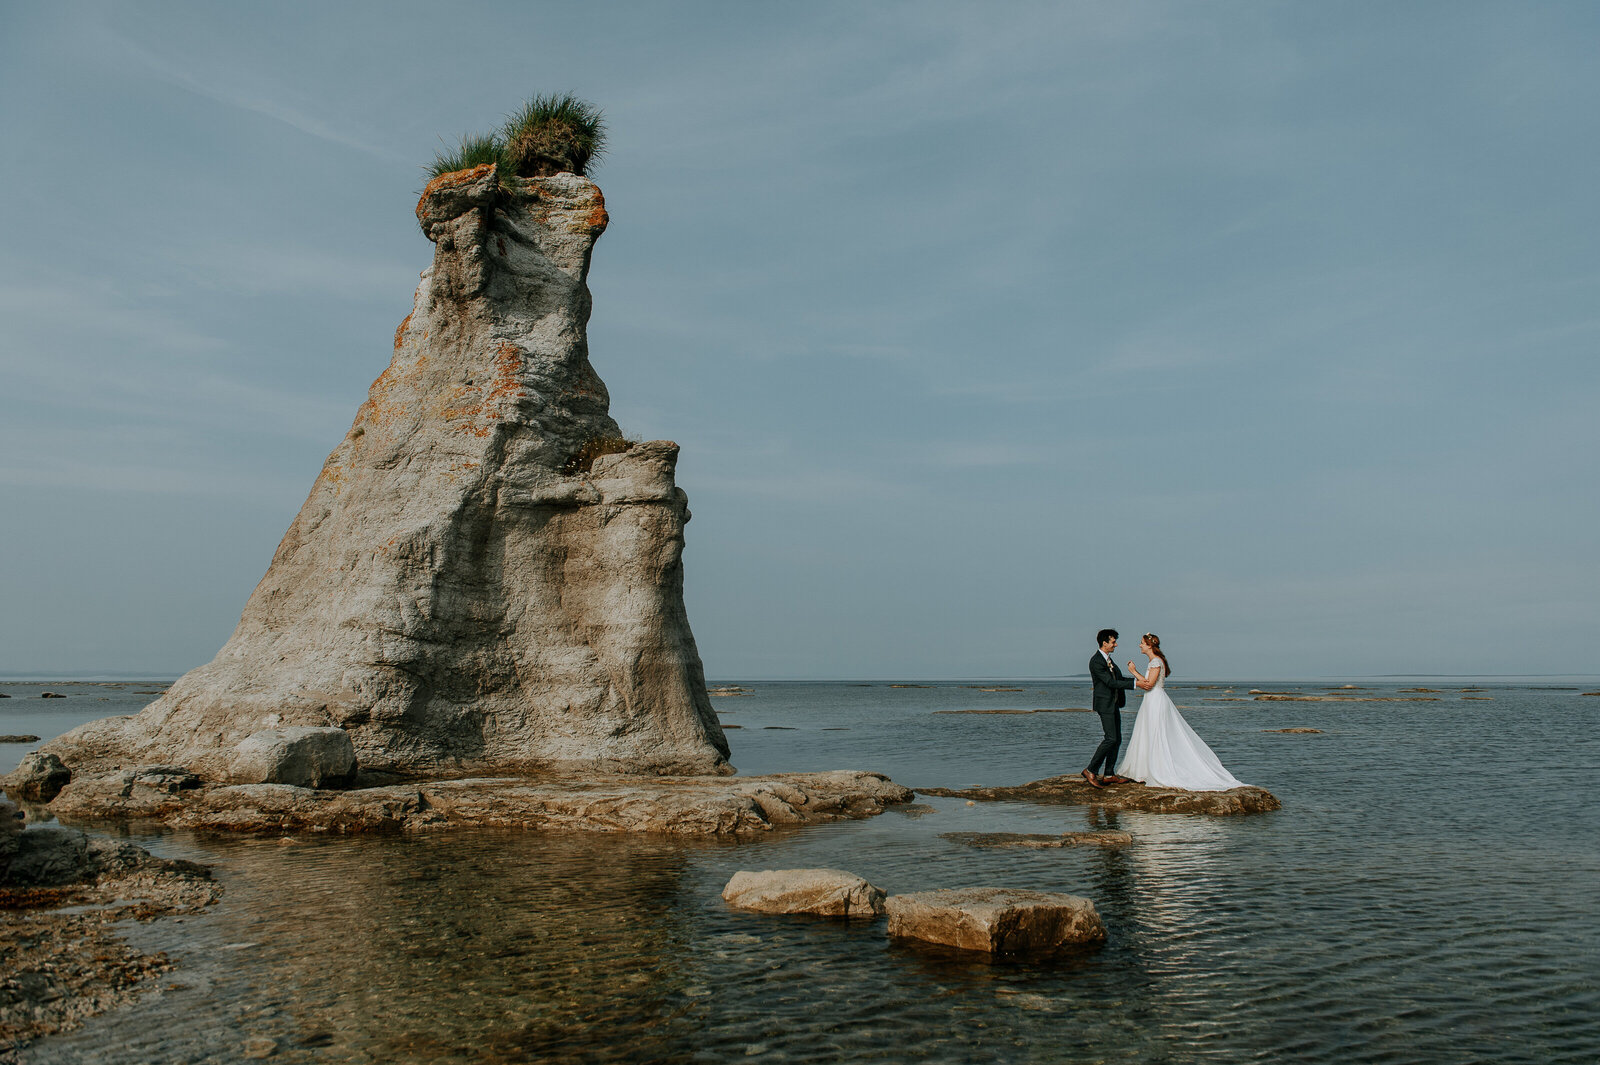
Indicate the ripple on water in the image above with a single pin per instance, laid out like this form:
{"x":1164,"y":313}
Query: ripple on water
{"x":1415,"y":917}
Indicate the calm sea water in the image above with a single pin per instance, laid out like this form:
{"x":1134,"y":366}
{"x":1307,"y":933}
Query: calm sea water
{"x":1430,"y":892}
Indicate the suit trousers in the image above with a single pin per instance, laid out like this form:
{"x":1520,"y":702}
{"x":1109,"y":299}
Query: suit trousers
{"x":1111,"y":725}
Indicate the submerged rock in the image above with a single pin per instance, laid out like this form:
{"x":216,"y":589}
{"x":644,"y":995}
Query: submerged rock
{"x":1039,"y":840}
{"x":1003,"y":922}
{"x":1074,"y":789}
{"x":824,"y":892}
{"x":485,"y":575}
{"x":39,"y":777}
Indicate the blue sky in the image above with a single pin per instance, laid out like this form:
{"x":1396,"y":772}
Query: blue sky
{"x":1271,"y":328}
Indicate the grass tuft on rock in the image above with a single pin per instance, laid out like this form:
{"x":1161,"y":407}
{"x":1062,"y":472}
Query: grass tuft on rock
{"x":550,"y":134}
{"x":475,"y":149}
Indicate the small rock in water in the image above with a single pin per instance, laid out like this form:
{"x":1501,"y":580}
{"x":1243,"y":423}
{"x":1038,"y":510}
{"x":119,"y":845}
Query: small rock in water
{"x":259,"y":1048}
{"x":19,"y":739}
{"x":825,"y":892}
{"x":1002,"y":922}
{"x":51,"y":695}
{"x":1294,"y":730}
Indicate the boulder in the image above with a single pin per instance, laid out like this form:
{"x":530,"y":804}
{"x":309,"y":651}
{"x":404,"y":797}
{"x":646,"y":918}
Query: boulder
{"x":486,"y":576}
{"x":302,"y":757}
{"x":51,"y":695}
{"x":47,"y":856}
{"x":825,"y":892}
{"x":1001,"y":922}
{"x":39,"y":777}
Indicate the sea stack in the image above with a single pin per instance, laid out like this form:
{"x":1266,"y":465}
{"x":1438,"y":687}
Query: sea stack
{"x":485,"y":577}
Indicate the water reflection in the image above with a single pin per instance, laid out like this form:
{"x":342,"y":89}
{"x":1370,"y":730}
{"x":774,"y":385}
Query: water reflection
{"x":474,"y":947}
{"x":1406,"y":916}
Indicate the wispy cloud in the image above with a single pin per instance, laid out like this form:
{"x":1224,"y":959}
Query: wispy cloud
{"x":253,"y":99}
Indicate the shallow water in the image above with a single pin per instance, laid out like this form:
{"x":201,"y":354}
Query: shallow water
{"x":1427,"y":894}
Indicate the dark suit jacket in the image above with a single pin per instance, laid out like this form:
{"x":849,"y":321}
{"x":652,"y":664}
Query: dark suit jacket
{"x":1109,"y":684}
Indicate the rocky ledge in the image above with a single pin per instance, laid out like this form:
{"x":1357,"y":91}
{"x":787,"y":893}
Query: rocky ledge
{"x":62,"y":895}
{"x":1075,"y":790}
{"x":702,"y":805}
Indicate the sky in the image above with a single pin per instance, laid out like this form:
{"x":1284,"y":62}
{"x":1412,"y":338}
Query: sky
{"x":1268,"y":327}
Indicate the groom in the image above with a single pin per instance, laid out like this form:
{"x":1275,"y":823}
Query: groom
{"x":1109,"y":686}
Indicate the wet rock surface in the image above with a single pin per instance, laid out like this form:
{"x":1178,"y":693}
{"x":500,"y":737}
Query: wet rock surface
{"x":708,"y":806}
{"x":823,"y":892}
{"x":1001,"y":922}
{"x":1075,"y":790}
{"x":60,"y":958}
{"x":1039,"y":840}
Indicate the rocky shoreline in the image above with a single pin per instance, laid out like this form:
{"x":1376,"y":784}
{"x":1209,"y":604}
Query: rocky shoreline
{"x":61,"y":895}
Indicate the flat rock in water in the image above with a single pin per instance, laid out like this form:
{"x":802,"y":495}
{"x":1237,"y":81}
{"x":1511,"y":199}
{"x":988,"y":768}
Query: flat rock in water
{"x":1074,"y":789}
{"x":824,"y":892}
{"x":1039,"y":840}
{"x":19,"y":739}
{"x":1295,"y":731}
{"x":1001,"y":922}
{"x":699,"y":805}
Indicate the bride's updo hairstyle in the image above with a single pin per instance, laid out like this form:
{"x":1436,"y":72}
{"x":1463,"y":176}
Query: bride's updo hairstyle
{"x":1155,"y":648}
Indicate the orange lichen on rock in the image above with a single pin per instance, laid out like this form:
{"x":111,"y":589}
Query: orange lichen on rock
{"x":452,"y":180}
{"x":400,"y":332}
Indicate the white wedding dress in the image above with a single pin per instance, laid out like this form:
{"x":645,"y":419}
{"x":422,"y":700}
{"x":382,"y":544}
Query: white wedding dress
{"x":1165,"y":752}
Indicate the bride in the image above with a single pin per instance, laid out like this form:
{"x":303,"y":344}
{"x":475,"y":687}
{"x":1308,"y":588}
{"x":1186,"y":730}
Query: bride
{"x":1163,"y":750}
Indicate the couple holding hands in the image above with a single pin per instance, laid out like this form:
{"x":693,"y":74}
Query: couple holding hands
{"x":1163,"y":751}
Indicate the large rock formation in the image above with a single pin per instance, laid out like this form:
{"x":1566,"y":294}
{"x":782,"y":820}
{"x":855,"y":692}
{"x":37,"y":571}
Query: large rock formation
{"x":485,"y":575}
